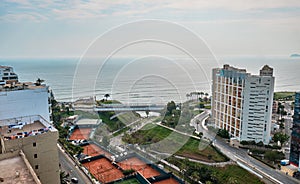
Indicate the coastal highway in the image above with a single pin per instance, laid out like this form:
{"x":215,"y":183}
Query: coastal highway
{"x":68,"y":165}
{"x":241,"y":155}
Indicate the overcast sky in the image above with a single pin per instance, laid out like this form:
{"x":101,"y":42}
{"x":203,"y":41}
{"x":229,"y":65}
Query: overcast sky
{"x":66,"y":28}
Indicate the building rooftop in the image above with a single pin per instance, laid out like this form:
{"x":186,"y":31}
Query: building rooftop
{"x":1,"y":66}
{"x":14,"y":170}
{"x":17,"y":128}
{"x":228,"y":67}
{"x":21,"y":86}
{"x":87,"y":122}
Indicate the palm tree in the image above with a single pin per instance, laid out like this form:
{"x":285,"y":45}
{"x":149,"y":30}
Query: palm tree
{"x":39,"y":81}
{"x":147,"y":113}
{"x":106,"y":96}
{"x":201,"y":94}
{"x":188,"y":96}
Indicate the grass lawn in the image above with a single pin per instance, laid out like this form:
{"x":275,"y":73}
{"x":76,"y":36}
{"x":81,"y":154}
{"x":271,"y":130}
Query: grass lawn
{"x":149,"y":134}
{"x":284,"y":95}
{"x":152,"y":133}
{"x":220,"y":175}
{"x":129,"y":181}
{"x":112,"y":125}
{"x":86,"y":115}
{"x":121,"y":131}
{"x":236,"y":173}
{"x":200,"y":150}
{"x":118,"y":122}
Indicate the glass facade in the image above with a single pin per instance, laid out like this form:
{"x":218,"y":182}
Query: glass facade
{"x":295,"y":137}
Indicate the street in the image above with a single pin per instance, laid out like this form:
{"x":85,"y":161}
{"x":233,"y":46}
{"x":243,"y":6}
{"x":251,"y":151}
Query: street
{"x":239,"y":154}
{"x":68,"y":166}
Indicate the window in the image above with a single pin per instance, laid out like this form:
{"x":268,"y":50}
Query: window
{"x":35,"y":156}
{"x":34,"y":144}
{"x":36,"y":166}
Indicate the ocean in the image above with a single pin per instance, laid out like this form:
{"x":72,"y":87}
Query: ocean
{"x":149,"y":80}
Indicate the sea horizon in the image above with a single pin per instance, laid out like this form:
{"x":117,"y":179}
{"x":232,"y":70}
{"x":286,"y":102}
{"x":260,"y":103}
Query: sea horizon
{"x":59,"y":75}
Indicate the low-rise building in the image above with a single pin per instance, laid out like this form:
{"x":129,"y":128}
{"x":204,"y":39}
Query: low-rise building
{"x":34,"y":136}
{"x":7,"y":75}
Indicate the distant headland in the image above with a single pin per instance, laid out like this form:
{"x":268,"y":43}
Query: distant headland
{"x":295,"y":55}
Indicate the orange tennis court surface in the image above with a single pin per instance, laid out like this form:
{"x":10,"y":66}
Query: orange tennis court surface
{"x":138,"y":165}
{"x":93,"y":150}
{"x":167,"y":181}
{"x":80,"y":134}
{"x":103,"y":170}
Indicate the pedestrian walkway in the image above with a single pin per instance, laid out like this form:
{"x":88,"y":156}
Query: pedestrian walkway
{"x":289,"y":169}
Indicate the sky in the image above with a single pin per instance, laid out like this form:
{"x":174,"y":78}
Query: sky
{"x":35,"y":28}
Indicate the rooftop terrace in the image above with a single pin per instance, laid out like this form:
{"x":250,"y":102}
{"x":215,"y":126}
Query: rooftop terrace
{"x":14,"y":170}
{"x":21,"y":86}
{"x":23,"y":127}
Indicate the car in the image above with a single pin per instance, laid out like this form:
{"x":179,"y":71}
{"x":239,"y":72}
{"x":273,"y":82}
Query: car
{"x":74,"y":180}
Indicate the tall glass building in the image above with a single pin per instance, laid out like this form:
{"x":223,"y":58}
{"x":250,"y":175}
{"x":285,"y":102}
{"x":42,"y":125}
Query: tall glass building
{"x":295,"y":137}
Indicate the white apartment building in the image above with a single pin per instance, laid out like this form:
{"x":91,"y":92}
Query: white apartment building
{"x":242,"y":103}
{"x":22,"y":99}
{"x":7,"y":75}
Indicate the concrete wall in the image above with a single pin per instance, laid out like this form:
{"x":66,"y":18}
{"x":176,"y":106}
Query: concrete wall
{"x":46,"y":151}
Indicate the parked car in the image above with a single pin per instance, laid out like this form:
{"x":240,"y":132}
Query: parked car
{"x":74,"y":180}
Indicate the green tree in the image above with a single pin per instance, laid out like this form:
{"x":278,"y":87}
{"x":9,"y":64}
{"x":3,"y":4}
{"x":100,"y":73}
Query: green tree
{"x":63,"y":177}
{"x":201,"y":94}
{"x":106,"y":96}
{"x":171,"y":106}
{"x":39,"y":81}
{"x":223,"y":133}
{"x":281,"y":137}
{"x":147,"y":113}
{"x":274,"y":155}
{"x":105,"y":141}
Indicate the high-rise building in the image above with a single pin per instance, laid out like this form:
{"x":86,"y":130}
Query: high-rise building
{"x":242,"y":103}
{"x":25,"y":127}
{"x":295,"y":137}
{"x":23,"y":99}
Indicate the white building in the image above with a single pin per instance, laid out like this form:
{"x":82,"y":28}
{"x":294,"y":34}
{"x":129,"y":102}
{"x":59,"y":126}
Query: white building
{"x":22,"y":99}
{"x":242,"y":103}
{"x":7,"y":75}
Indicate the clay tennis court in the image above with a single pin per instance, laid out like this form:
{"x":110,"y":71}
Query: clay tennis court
{"x":167,"y":181}
{"x":103,"y":170}
{"x":80,"y":134}
{"x":93,"y":150}
{"x":138,"y":165}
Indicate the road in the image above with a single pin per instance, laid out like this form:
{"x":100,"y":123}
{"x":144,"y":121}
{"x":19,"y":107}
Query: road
{"x":68,"y":165}
{"x":241,"y":155}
